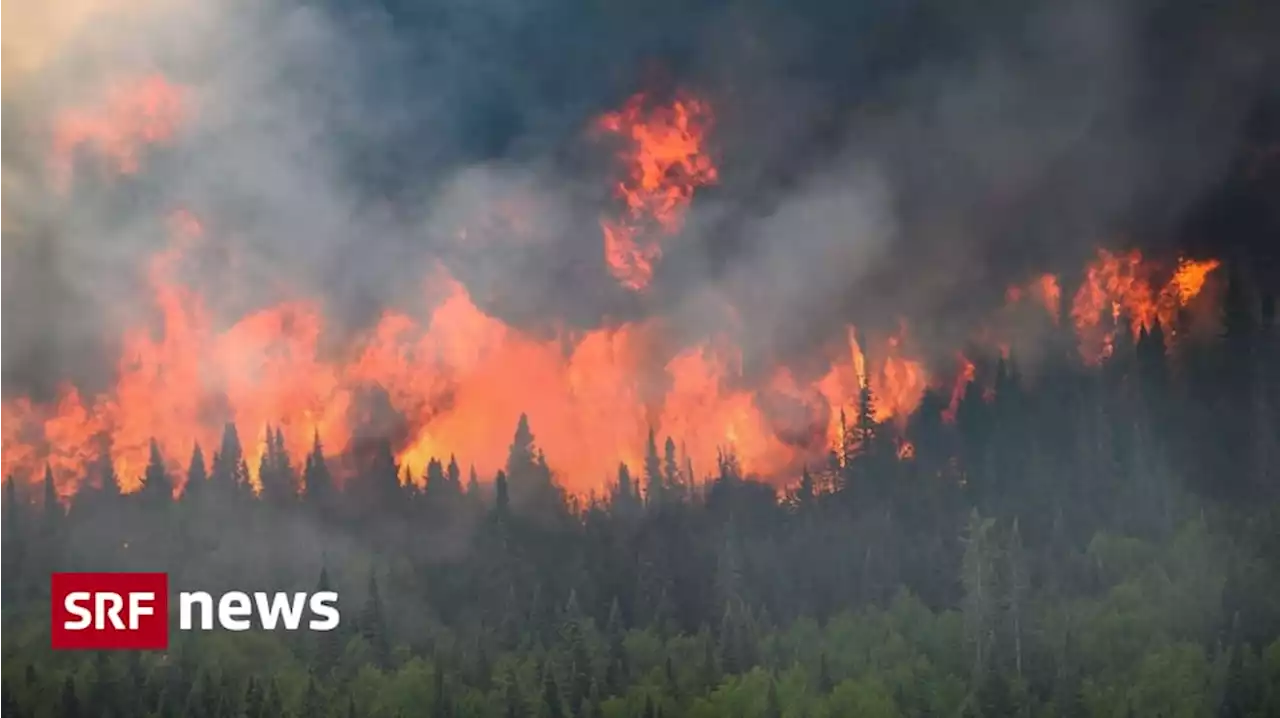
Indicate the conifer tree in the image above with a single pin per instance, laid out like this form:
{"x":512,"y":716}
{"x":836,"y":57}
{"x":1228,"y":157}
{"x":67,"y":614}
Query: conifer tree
{"x":157,"y":488}
{"x":328,"y":648}
{"x":440,"y":699}
{"x":229,"y":473}
{"x":70,"y":701}
{"x":671,"y":469}
{"x":373,"y":626}
{"x":14,"y":530}
{"x":515,"y":707}
{"x":572,"y":633}
{"x":502,"y":500}
{"x":312,"y":705}
{"x":552,"y":703}
{"x":454,"y":474}
{"x":653,"y":480}
{"x":275,"y":473}
{"x":197,"y":477}
{"x":617,"y":671}
{"x":317,"y":483}
{"x":772,"y":708}
{"x":473,"y":485}
{"x":53,"y":513}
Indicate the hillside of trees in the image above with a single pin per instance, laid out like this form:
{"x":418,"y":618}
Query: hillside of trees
{"x":1099,"y":542}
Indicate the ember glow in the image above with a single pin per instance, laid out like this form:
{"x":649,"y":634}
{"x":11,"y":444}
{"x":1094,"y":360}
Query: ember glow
{"x":455,"y":379}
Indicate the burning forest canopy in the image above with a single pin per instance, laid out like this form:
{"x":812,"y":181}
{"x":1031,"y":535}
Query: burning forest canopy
{"x":345,"y":224}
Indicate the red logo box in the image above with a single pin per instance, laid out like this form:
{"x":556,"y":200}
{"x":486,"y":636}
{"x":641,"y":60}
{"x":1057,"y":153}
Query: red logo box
{"x":109,"y":611}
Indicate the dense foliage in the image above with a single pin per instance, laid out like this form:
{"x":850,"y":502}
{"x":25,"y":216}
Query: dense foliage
{"x":1080,"y":543}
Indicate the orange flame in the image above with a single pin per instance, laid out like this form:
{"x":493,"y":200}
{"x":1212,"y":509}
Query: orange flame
{"x":1119,"y":286}
{"x":666,"y":162}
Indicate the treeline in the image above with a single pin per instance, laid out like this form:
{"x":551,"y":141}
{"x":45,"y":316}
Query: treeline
{"x":1088,"y":543}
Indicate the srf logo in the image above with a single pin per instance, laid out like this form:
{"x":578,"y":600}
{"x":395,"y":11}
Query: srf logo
{"x":108,"y":611}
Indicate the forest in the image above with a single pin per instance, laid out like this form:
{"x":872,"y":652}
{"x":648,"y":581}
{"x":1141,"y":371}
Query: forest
{"x":1090,"y":541}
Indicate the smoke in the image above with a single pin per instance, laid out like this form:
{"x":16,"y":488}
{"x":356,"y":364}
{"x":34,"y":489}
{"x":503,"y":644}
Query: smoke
{"x":877,"y":160}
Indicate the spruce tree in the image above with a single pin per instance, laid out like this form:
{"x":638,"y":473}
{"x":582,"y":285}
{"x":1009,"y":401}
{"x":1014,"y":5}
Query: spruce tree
{"x":617,"y":671}
{"x":373,"y":625}
{"x":653,"y":483}
{"x":552,"y":703}
{"x":671,"y":477}
{"x":502,"y":500}
{"x":328,"y":649}
{"x":157,"y":488}
{"x":312,"y":704}
{"x":197,"y":477}
{"x":454,"y":475}
{"x":515,"y":707}
{"x":70,"y":701}
{"x":53,"y":512}
{"x":317,"y":483}
{"x":229,"y":473}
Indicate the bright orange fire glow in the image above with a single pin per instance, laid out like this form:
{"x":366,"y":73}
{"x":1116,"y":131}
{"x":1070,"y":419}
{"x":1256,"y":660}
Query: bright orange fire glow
{"x":1119,"y":287}
{"x":666,"y":161}
{"x":456,"y":379}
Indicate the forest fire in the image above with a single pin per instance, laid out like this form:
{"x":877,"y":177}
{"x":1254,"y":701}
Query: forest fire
{"x":457,"y":380}
{"x":1120,"y":289}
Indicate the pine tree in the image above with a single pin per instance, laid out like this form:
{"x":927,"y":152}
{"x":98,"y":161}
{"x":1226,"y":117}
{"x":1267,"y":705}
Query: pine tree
{"x":825,"y":684}
{"x":572,"y":633}
{"x":522,"y":455}
{"x":671,"y":469}
{"x":14,"y":530}
{"x":197,"y":477}
{"x":440,"y":699}
{"x":8,"y":706}
{"x":317,"y":483}
{"x":373,"y":625}
{"x":70,"y":701}
{"x":653,"y":481}
{"x":229,"y":473}
{"x":552,"y":705}
{"x":978,"y":579}
{"x":617,"y":670}
{"x":157,"y":488}
{"x":328,"y":648}
{"x":594,"y":708}
{"x":473,"y":486}
{"x":273,"y":705}
{"x":1019,"y":584}
{"x":624,"y":492}
{"x":502,"y":500}
{"x":454,"y":474}
{"x":312,"y":704}
{"x":772,"y":708}
{"x":253,"y":699}
{"x":515,"y":707}
{"x":102,"y":692}
{"x":53,"y":512}
{"x":710,"y":670}
{"x":483,"y":672}
{"x":275,"y":473}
